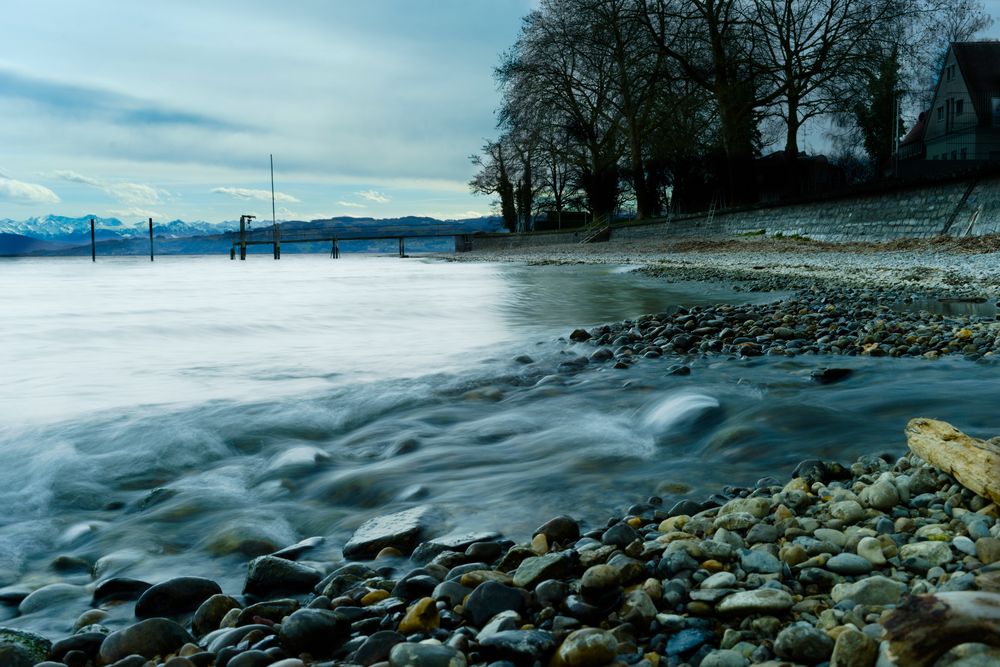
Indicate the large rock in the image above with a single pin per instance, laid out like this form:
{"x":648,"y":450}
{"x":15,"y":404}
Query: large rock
{"x":318,"y":632}
{"x":35,"y":647}
{"x":210,"y":614}
{"x":561,"y":529}
{"x":12,"y":655}
{"x":876,"y":590}
{"x":425,"y":655}
{"x":426,"y":551}
{"x":759,"y":601}
{"x":118,"y":589}
{"x":588,"y":647}
{"x":491,"y":598}
{"x":536,"y":569}
{"x":87,"y":642}
{"x":268,"y":575}
{"x":149,"y":638}
{"x":175,"y":596}
{"x":803,"y":643}
{"x":402,"y":530}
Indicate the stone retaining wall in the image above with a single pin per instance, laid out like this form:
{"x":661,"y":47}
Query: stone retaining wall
{"x":958,"y":208}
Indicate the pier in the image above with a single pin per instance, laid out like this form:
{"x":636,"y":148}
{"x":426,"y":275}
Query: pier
{"x":277,"y":234}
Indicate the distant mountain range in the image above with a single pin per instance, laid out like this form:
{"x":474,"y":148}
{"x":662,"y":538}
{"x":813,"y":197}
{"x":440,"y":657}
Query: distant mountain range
{"x":61,"y":235}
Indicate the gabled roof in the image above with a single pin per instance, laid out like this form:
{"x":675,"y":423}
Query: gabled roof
{"x":916,"y":133}
{"x":979,"y":63}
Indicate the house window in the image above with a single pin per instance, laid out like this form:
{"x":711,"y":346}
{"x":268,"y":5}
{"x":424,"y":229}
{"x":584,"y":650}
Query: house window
{"x":940,"y":113}
{"x":959,"y":107}
{"x":950,"y":72}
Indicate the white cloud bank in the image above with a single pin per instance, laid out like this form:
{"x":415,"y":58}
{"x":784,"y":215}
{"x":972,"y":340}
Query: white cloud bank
{"x":20,"y":192}
{"x":261,"y":195}
{"x":130,"y":194}
{"x":350,"y":204}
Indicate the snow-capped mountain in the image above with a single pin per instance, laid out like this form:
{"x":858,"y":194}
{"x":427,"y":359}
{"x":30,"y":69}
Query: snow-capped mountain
{"x":64,"y":229}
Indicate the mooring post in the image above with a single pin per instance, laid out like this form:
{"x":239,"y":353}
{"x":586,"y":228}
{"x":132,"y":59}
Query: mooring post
{"x":243,"y":237}
{"x":93,"y":246}
{"x":232,"y":252}
{"x":277,"y":241}
{"x":151,"y":239}
{"x":400,"y":246}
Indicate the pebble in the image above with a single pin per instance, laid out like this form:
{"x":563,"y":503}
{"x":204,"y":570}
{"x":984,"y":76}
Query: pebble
{"x":402,"y":531}
{"x":268,"y":575}
{"x":803,"y":643}
{"x":318,"y":632}
{"x":870,"y":549}
{"x":875,"y":590}
{"x":491,"y":598}
{"x":425,"y":655}
{"x":759,"y":601}
{"x":849,"y":564}
{"x":854,"y":648}
{"x":175,"y":596}
{"x":588,"y":647}
{"x":935,"y":553}
{"x":148,"y":638}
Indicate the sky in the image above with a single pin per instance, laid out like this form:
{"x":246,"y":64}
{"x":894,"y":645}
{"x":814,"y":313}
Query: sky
{"x":171,"y":109}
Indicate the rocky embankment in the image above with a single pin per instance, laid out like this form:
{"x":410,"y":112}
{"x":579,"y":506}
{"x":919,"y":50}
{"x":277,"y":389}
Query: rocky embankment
{"x":806,"y":571}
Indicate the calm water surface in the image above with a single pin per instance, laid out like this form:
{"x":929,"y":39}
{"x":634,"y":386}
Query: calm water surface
{"x":168,"y":419}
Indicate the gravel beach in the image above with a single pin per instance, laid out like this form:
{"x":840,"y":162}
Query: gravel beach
{"x":825,"y":565}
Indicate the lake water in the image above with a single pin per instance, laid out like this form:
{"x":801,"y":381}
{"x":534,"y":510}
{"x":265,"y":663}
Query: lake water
{"x":163,"y":419}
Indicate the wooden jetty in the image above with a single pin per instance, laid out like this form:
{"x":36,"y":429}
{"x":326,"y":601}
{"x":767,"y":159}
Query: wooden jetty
{"x":284,"y":233}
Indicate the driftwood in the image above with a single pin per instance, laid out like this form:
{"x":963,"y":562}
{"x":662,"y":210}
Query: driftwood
{"x":925,"y":627}
{"x":974,"y":463}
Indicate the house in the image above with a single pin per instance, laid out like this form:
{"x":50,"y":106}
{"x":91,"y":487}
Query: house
{"x":963,"y":122}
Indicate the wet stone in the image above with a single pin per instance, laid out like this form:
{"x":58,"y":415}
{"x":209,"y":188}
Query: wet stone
{"x":522,"y":647}
{"x":425,"y":655}
{"x":34,"y":646}
{"x":588,"y":647}
{"x":875,"y":590}
{"x":318,"y":632}
{"x":377,"y":647}
{"x":491,"y":598}
{"x":175,"y":596}
{"x":148,"y":638}
{"x":268,"y":575}
{"x":803,"y":643}
{"x":561,"y":529}
{"x":210,"y":614}
{"x":759,"y":601}
{"x":401,"y":530}
{"x":536,"y":569}
{"x":849,"y":564}
{"x":119,"y":589}
{"x":271,"y":610}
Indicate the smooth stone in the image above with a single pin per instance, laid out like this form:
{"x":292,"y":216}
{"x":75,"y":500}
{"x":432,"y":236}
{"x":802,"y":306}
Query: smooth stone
{"x":12,"y":655}
{"x":759,"y":601}
{"x":965,"y":545}
{"x":377,"y":647}
{"x":50,"y":595}
{"x":848,"y":511}
{"x":870,"y":549}
{"x":422,"y":616}
{"x":849,"y":564}
{"x":854,"y":648}
{"x":319,"y":632}
{"x":539,"y":568}
{"x":803,"y":643}
{"x":688,"y":640}
{"x":148,"y":638}
{"x":295,"y":551}
{"x":34,"y":646}
{"x":757,"y":507}
{"x":598,"y":579}
{"x":875,"y":590}
{"x":988,"y":550}
{"x":272,"y":610}
{"x":505,"y":620}
{"x":229,"y":636}
{"x":620,"y":535}
{"x":491,"y":598}
{"x":719,"y":580}
{"x":402,"y":530}
{"x":735,"y":521}
{"x":210,"y":613}
{"x":935,"y":553}
{"x":87,"y":642}
{"x":427,"y":551}
{"x":251,"y":658}
{"x":881,"y":495}
{"x":637,"y":608}
{"x":425,"y":655}
{"x":725,"y":658}
{"x":759,"y":562}
{"x":175,"y":596}
{"x":522,"y":647}
{"x":268,"y":575}
{"x":562,"y":529}
{"x":452,"y":592}
{"x":119,"y":589}
{"x":588,"y":647}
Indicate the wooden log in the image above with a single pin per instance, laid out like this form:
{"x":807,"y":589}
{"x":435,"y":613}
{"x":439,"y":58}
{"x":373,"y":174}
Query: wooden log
{"x":974,"y":463}
{"x":925,"y":627}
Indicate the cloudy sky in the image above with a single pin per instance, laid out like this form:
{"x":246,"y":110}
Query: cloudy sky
{"x":170,"y":109}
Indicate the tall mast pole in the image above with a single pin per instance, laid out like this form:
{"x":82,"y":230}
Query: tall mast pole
{"x":273,"y":217}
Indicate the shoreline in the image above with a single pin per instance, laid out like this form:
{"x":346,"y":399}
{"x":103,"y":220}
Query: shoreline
{"x":784,"y":571}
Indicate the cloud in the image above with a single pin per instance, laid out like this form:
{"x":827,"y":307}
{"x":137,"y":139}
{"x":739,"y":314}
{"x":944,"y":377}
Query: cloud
{"x":132,"y":212}
{"x":73,"y":177}
{"x":351,"y":204}
{"x":130,"y":194}
{"x":372,"y":195}
{"x":20,"y":192}
{"x":76,"y":101}
{"x":262,"y":195}
{"x":134,"y":194}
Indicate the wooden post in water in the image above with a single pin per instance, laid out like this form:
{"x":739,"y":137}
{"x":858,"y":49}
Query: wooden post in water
{"x":401,"y":246}
{"x":243,"y":237}
{"x":151,"y":239}
{"x":334,"y":249}
{"x":277,"y":241}
{"x":93,"y":245}
{"x":232,"y":252}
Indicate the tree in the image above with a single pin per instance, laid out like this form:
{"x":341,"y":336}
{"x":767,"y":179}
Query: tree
{"x":493,"y":178}
{"x":877,"y":112}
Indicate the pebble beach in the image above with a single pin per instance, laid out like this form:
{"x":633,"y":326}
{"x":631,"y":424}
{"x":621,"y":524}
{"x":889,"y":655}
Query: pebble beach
{"x":811,"y":566}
